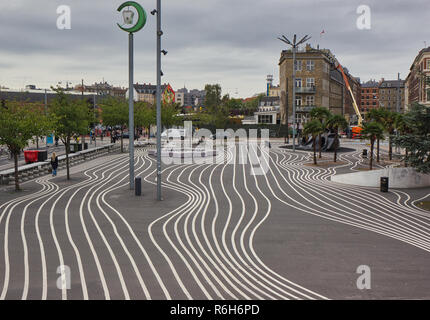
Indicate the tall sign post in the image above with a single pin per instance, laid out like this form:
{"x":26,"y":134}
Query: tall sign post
{"x":128,"y":16}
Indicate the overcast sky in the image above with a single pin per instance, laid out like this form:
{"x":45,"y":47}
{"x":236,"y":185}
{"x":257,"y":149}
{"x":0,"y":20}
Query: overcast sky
{"x":230,"y":42}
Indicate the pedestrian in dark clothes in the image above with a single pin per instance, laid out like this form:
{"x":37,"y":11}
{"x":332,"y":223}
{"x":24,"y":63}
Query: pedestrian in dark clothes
{"x":54,"y":164}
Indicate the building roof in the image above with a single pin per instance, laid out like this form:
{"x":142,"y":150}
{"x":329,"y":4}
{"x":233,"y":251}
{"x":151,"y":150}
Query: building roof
{"x":270,"y":99}
{"x":148,"y":88}
{"x":392,"y":84}
{"x":370,"y":84}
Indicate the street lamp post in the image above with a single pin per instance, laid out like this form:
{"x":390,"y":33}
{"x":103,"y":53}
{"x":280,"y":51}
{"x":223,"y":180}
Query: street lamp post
{"x":294,"y":45}
{"x":158,"y":98}
{"x":128,"y":16}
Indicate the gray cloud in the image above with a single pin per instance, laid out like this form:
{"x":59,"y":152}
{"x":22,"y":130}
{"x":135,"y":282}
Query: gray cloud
{"x":230,"y":42}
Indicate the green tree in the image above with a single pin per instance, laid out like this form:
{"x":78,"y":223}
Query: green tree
{"x":115,"y":113}
{"x":336,"y":122}
{"x":415,"y":138}
{"x":213,"y":97}
{"x":314,"y":128}
{"x":372,"y":131}
{"x":403,"y":128}
{"x":321,"y":114}
{"x":71,"y":119}
{"x":169,"y":115}
{"x":17,"y":128}
{"x":144,"y":115}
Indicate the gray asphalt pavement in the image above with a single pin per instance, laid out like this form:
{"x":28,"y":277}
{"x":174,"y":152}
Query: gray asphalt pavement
{"x":222,"y":232}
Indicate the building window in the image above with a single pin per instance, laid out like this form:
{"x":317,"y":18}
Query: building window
{"x":265,"y":118}
{"x":298,"y":83}
{"x":428,"y":64}
{"x":310,"y":82}
{"x":326,"y":67}
{"x":310,"y":100}
{"x":382,"y":91}
{"x":310,"y":65}
{"x":298,"y":65}
{"x":298,"y":101}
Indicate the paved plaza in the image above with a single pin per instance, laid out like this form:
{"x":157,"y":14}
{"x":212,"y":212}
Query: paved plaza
{"x":221,"y":232}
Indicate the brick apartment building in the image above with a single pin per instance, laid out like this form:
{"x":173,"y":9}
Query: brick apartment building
{"x":369,"y":96}
{"x":417,"y":88}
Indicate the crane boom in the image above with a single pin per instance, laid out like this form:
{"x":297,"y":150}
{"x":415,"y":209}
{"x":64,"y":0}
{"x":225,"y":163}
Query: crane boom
{"x":354,"y":102}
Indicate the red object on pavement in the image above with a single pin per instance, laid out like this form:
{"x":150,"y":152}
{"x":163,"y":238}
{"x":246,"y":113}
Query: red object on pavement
{"x":30,"y":156}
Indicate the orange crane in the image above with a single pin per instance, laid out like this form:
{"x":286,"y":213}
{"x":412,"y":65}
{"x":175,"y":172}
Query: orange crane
{"x":356,"y":130}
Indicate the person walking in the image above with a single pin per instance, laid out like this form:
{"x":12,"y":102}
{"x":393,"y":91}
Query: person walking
{"x":54,"y":164}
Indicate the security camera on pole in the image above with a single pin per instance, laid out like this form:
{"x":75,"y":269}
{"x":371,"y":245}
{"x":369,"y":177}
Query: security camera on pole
{"x":159,"y":75}
{"x":128,"y":16}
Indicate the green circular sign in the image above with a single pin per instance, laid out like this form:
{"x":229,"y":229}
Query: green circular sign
{"x":142,"y":16}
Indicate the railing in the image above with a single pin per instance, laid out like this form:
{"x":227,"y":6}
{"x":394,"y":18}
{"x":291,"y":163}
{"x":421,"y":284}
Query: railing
{"x":304,"y":108}
{"x":34,"y":170}
{"x":306,"y":89}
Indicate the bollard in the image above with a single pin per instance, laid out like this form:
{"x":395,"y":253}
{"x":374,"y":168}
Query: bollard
{"x":364,"y":153}
{"x":138,"y":186}
{"x":384,"y":184}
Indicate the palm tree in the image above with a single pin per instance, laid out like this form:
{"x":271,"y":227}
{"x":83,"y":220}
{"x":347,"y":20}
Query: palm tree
{"x":320,"y":114}
{"x":314,"y":128}
{"x":376,"y":115}
{"x":388,"y":119}
{"x":372,"y":131}
{"x":336,"y":122}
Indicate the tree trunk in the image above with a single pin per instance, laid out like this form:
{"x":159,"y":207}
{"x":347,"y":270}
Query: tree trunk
{"x":372,"y":144}
{"x":336,"y":144}
{"x":37,"y":142}
{"x":67,"y":157}
{"x":315,"y":152}
{"x":319,"y":145}
{"x":406,"y":157}
{"x":15,"y":158}
{"x":122,"y":143}
{"x":390,"y":149}
{"x":377,"y":150}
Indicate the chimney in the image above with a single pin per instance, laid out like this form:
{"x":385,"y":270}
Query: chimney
{"x":308,"y":47}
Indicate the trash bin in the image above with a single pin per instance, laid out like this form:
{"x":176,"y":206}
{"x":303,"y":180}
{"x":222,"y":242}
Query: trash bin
{"x":85,"y":146}
{"x":384,"y":184}
{"x":364,"y":153}
{"x":30,"y":156}
{"x":138,"y":186}
{"x":42,"y":155}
